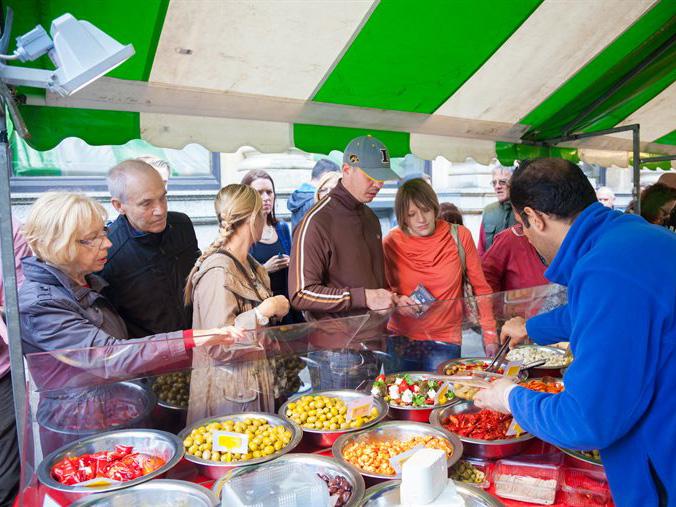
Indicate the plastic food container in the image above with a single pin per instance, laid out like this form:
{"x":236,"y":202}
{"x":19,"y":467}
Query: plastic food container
{"x":583,"y":488}
{"x":276,"y":485}
{"x":466,"y":470}
{"x":526,"y":481}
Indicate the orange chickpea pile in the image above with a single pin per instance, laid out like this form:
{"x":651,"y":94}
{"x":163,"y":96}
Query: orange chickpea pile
{"x":374,"y":457}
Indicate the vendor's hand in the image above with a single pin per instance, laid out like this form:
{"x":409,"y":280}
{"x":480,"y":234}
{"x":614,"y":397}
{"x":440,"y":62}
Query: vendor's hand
{"x":516,"y":328}
{"x":379,"y":299}
{"x":218,"y":336}
{"x":275,"y":263}
{"x":406,"y":306}
{"x":496,"y":397}
{"x":276,"y":306}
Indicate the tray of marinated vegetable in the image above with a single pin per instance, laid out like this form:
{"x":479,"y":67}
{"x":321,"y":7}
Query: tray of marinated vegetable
{"x":556,"y":359}
{"x":413,"y":395}
{"x":584,"y":459}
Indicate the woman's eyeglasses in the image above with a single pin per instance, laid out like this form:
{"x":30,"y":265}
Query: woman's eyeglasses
{"x":95,"y":242}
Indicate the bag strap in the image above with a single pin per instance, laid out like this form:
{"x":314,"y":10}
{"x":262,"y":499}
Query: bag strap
{"x":461,"y":249}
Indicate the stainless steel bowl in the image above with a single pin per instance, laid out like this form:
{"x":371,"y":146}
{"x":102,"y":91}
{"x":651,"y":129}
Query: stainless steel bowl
{"x":153,"y":493}
{"x":487,"y":449}
{"x":215,"y":469}
{"x":386,"y":494}
{"x":547,"y":371}
{"x":441,"y":369}
{"x":320,"y":439}
{"x":417,"y":414}
{"x":317,"y":464}
{"x":395,"y":430}
{"x":580,"y":460}
{"x":153,"y":442}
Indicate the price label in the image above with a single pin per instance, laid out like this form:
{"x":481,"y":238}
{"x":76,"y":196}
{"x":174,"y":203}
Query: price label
{"x":359,"y":407}
{"x":398,"y":461}
{"x":514,"y":429}
{"x":513,"y":368}
{"x":227,"y":441}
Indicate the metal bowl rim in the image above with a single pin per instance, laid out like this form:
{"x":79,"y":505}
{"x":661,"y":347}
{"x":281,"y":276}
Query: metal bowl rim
{"x":462,"y":360}
{"x":296,"y":435}
{"x":451,"y":437}
{"x":556,"y":350}
{"x":44,"y":471}
{"x":383,"y":409}
{"x":575,"y":454}
{"x":349,"y":471}
{"x":155,"y":484}
{"x":435,"y":420}
{"x":489,"y":500}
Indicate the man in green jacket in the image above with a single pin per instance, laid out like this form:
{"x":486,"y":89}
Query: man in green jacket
{"x":497,"y":216}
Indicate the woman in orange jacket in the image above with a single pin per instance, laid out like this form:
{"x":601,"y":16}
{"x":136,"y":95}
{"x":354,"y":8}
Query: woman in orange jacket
{"x":426,"y":251}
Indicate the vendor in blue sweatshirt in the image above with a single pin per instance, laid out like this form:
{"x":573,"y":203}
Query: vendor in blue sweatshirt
{"x":620,"y":318}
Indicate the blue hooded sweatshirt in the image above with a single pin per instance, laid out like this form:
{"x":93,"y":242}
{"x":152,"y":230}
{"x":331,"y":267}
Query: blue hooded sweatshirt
{"x":300,"y":201}
{"x":620,"y":392}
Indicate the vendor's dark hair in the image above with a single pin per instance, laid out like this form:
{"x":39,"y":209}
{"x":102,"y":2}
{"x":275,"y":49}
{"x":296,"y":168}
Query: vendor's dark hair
{"x":653,"y":198}
{"x":551,"y":185}
{"x":260,"y":174}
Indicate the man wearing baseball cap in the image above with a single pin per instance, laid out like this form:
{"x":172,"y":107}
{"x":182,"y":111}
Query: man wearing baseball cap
{"x":336,"y":265}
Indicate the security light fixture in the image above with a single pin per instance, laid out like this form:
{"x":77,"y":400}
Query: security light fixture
{"x":80,"y":52}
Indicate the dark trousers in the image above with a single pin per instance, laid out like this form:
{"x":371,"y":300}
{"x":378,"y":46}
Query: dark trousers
{"x":9,"y":447}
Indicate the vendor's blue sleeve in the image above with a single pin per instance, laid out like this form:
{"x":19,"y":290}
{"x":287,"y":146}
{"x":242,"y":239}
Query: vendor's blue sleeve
{"x":550,"y":327}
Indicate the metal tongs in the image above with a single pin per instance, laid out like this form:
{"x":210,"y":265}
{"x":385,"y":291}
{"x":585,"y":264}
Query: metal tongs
{"x":500,"y":356}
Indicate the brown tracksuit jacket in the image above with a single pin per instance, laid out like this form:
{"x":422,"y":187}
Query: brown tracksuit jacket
{"x":337,"y":253}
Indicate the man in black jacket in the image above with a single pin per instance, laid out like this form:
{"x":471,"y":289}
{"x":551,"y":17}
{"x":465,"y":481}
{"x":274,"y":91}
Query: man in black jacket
{"x":153,"y":251}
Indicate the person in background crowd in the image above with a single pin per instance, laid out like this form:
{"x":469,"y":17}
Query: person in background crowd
{"x":497,"y":216}
{"x":450,"y":213}
{"x":512,"y":262}
{"x":9,"y":448}
{"x":657,"y":201}
{"x":303,"y":198}
{"x":272,"y":250}
{"x":161,"y":166}
{"x":227,"y":286}
{"x":326,"y":183}
{"x":337,"y":257}
{"x":599,"y":254}
{"x":152,"y":252}
{"x":606,"y":196}
{"x":423,"y":251}
{"x":61,"y":306}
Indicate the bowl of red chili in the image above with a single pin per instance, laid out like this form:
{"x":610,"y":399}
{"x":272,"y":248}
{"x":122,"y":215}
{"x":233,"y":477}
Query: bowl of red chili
{"x":109,"y":461}
{"x":482,"y":432}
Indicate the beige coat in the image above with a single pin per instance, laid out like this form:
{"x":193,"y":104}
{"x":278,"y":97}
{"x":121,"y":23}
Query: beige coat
{"x":227,"y":380}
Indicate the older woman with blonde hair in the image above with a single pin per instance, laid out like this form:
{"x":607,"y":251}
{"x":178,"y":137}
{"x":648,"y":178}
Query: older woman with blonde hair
{"x":228,"y":286}
{"x":61,"y":307}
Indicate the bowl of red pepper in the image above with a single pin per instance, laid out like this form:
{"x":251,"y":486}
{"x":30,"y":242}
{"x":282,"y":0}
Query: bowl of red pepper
{"x":109,"y":461}
{"x":483,"y":432}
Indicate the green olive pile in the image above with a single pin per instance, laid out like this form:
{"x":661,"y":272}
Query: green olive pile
{"x":173,"y":389}
{"x":264,"y":440}
{"x":325,"y":413}
{"x":464,"y":471}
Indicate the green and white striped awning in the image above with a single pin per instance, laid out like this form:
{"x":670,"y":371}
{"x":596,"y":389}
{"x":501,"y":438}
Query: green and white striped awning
{"x":455,"y":78}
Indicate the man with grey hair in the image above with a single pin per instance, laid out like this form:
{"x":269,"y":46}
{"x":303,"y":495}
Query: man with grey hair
{"x":153,"y":251}
{"x":497,"y":216}
{"x":606,"y":196}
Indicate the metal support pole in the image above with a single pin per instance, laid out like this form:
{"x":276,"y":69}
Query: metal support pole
{"x":661,"y":158}
{"x":637,"y":167}
{"x":9,"y":279}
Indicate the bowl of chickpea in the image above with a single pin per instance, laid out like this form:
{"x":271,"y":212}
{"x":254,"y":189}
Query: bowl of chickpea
{"x":371,"y":450}
{"x":326,"y":415}
{"x":265,"y":436}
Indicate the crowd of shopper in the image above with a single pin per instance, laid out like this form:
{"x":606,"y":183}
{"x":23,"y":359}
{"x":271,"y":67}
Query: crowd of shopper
{"x":142,"y":279}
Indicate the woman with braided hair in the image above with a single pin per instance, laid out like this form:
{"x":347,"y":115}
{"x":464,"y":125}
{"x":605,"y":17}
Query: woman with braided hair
{"x":228,"y":285}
